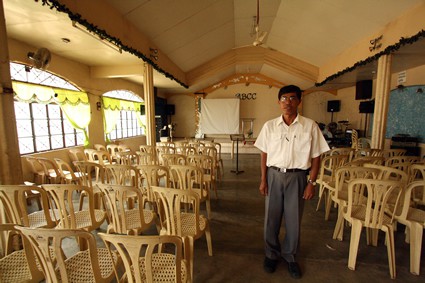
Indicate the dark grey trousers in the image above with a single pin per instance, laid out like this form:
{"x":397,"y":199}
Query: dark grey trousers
{"x":284,"y":201}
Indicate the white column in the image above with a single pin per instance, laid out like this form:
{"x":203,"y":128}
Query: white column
{"x":10,"y":161}
{"x":382,"y":96}
{"x":149,"y":104}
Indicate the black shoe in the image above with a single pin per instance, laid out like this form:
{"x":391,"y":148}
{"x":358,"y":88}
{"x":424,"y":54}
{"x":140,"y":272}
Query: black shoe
{"x":270,"y":265}
{"x":294,"y":270}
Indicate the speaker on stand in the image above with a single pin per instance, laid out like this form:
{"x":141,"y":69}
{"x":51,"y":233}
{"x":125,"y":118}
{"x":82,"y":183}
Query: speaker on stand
{"x":333,"y":106}
{"x":366,"y":107}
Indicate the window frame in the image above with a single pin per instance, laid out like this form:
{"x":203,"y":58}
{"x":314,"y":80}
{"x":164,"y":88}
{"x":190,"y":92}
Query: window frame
{"x":21,"y":72}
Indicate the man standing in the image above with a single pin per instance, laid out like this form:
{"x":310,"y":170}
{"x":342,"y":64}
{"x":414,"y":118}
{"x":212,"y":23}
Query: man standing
{"x":290,"y":150}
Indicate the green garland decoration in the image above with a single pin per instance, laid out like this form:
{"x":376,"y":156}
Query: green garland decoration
{"x":54,"y":4}
{"x":390,"y":49}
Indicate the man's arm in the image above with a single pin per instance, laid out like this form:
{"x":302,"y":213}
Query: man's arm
{"x":314,"y":170}
{"x":263,"y":184}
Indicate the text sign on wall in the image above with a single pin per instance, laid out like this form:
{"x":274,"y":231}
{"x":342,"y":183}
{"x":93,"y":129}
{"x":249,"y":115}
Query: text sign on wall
{"x":246,"y":96}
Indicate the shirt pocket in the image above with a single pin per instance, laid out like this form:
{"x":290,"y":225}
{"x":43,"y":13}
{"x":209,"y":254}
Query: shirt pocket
{"x":303,"y":143}
{"x":275,"y":140}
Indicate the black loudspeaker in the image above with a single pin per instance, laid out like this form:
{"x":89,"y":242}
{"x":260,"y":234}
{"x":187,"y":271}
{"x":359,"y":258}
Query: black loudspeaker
{"x":142,"y":110}
{"x":367,"y":106}
{"x":364,"y":90}
{"x":334,"y":105}
{"x":171,"y":109}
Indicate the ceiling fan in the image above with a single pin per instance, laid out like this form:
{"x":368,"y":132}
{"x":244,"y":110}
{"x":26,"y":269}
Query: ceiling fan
{"x":41,"y":58}
{"x":259,"y":35}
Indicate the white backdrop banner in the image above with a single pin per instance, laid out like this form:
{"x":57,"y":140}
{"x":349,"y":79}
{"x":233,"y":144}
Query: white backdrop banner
{"x":220,"y":116}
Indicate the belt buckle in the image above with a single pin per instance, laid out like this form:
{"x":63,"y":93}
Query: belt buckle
{"x":283,"y":170}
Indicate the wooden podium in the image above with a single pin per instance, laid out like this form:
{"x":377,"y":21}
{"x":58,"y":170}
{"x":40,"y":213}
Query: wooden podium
{"x":237,"y":138}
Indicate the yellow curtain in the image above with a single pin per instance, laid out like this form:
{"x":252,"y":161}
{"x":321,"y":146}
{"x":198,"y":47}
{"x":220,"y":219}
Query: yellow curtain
{"x":111,"y":111}
{"x":74,"y":104}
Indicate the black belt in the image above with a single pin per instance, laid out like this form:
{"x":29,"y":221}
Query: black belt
{"x":286,"y":170}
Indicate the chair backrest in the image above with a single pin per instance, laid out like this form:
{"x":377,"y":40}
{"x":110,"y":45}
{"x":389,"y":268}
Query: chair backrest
{"x":17,"y":264}
{"x":164,"y":149}
{"x":62,"y":196}
{"x":49,"y":248}
{"x":175,"y":205}
{"x":128,"y":158}
{"x":88,"y":152}
{"x":142,"y":255}
{"x":66,"y":172}
{"x":77,"y":154}
{"x":112,"y":149}
{"x":102,"y":157}
{"x":165,"y":143}
{"x":125,"y":217}
{"x":185,"y":150}
{"x":123,"y":147}
{"x":354,"y":139}
{"x":37,"y":169}
{"x":209,"y":150}
{"x":412,"y":189}
{"x":345,"y":174}
{"x":417,"y":172}
{"x":186,"y":177}
{"x":13,"y":198}
{"x":148,"y":149}
{"x":173,"y":159}
{"x":330,"y":163}
{"x":153,"y":175}
{"x":364,"y":143}
{"x":360,"y":161}
{"x":205,"y":162}
{"x":98,"y":146}
{"x":119,"y":174}
{"x":401,"y":159}
{"x":146,"y":158}
{"x":403,"y":166}
{"x":388,"y":173}
{"x":51,"y":170}
{"x":90,"y":172}
{"x":387,"y":153}
{"x":377,"y":194}
{"x":341,"y":151}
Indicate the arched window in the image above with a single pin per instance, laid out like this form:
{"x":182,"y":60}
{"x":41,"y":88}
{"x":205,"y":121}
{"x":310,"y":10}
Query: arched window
{"x":123,"y":115}
{"x":41,"y":100}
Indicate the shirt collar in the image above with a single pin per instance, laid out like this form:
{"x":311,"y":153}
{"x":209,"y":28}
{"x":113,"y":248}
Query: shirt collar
{"x":299,"y":119}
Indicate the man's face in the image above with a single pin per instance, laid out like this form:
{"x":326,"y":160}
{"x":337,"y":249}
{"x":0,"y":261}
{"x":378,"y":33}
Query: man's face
{"x":289,"y":103}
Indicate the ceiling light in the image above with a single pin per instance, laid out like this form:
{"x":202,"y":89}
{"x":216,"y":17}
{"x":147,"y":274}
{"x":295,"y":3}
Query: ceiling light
{"x":97,"y":37}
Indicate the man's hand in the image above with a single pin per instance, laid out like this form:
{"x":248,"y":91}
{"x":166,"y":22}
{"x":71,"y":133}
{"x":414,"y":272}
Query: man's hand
{"x":263,"y":188}
{"x":309,"y":191}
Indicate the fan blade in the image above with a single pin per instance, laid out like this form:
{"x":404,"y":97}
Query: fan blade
{"x":262,"y":35}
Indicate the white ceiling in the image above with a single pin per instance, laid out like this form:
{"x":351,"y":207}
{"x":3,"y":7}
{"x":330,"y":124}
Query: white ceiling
{"x":194,"y":32}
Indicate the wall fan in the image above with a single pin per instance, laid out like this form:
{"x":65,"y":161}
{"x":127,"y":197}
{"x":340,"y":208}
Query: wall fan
{"x":259,"y":35}
{"x":41,"y":58}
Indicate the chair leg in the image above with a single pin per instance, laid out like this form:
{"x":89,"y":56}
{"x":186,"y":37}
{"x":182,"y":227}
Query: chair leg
{"x":339,"y":227}
{"x":328,"y":205}
{"x":356,"y":230}
{"x":391,"y":251}
{"x":372,"y":237}
{"x":208,"y":237}
{"x":321,"y":188}
{"x":208,"y":204}
{"x":416,"y":232}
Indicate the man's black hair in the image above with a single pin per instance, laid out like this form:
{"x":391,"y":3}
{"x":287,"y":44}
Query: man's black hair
{"x":290,"y":89}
